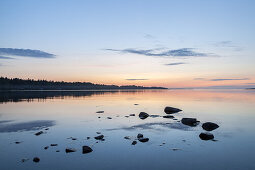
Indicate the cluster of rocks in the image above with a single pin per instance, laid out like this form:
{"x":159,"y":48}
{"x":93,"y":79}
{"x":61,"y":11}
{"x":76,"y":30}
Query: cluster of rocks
{"x":139,"y":138}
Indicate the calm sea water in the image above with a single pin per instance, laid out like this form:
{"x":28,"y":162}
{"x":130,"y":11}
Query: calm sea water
{"x":171,"y":144}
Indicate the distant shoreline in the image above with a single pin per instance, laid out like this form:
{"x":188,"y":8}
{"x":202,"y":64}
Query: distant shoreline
{"x":7,"y":84}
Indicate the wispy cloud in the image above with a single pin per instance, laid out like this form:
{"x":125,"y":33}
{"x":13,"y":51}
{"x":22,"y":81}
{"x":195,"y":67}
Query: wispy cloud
{"x":182,"y":52}
{"x":174,"y":64}
{"x":222,"y":79}
{"x":229,"y":79}
{"x":3,"y":57}
{"x":135,"y":79}
{"x":227,"y":44}
{"x":149,"y":36}
{"x":25,"y":53}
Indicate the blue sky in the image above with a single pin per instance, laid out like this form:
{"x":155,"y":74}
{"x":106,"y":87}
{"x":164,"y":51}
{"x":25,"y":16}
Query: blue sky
{"x":79,"y":35}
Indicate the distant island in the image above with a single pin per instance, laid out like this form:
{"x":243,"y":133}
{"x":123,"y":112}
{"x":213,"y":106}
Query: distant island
{"x":30,"y":84}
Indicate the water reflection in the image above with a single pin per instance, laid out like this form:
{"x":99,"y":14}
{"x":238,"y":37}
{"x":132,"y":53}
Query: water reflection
{"x":10,"y":126}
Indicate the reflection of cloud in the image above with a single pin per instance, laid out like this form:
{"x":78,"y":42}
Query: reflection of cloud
{"x":135,"y":79}
{"x":25,"y":53}
{"x":174,"y":64}
{"x":182,"y":52}
{"x":3,"y":57}
{"x":25,"y":126}
{"x":155,"y":126}
{"x":221,"y":79}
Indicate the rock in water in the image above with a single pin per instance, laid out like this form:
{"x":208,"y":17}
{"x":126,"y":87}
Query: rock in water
{"x":209,"y":126}
{"x":86,"y":149}
{"x":143,"y":115}
{"x":36,"y":159}
{"x":190,"y":121}
{"x":171,"y":110}
{"x":100,"y":111}
{"x":54,"y":144}
{"x":46,"y":147}
{"x":100,"y":137}
{"x":139,"y":135}
{"x":132,"y":115}
{"x":168,"y":116}
{"x":143,"y":139}
{"x":68,"y":150}
{"x":206,"y":136}
{"x":38,"y":133}
{"x":134,"y":142}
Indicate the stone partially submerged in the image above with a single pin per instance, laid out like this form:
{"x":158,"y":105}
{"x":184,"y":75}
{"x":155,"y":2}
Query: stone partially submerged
{"x":68,"y":150}
{"x":171,"y":110}
{"x":209,"y":126}
{"x":206,"y":136}
{"x":143,"y":115}
{"x":190,"y":121}
{"x":86,"y":149}
{"x":100,"y":137}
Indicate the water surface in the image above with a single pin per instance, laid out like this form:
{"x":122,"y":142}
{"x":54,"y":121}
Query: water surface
{"x":171,"y":144}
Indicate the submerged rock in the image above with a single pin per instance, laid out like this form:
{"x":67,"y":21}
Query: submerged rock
{"x":100,"y":137}
{"x":143,"y":139}
{"x":101,"y":111}
{"x":153,"y":116}
{"x":139,"y":135}
{"x":190,"y":121}
{"x":38,"y":133}
{"x":134,"y":142}
{"x":24,"y":159}
{"x":209,"y":126}
{"x":143,"y":115}
{"x":57,"y":150}
{"x":171,"y":110}
{"x":127,"y":137}
{"x":46,"y":129}
{"x":86,"y":149}
{"x":68,"y":150}
{"x":168,"y":116}
{"x":18,"y":142}
{"x":206,"y":136}
{"x":36,"y":159}
{"x":132,"y":115}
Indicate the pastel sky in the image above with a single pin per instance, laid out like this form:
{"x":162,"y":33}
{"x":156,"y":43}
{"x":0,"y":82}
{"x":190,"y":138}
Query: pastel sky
{"x":170,"y":43}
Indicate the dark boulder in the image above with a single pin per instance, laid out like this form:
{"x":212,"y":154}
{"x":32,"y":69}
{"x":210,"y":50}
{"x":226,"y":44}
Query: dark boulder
{"x":139,"y":135}
{"x":68,"y":150}
{"x":86,"y":149}
{"x":143,"y":139}
{"x":36,"y":159}
{"x":171,"y":110}
{"x":209,"y":126}
{"x":206,"y":136}
{"x":143,"y":115}
{"x":190,"y":121}
{"x":100,"y":137}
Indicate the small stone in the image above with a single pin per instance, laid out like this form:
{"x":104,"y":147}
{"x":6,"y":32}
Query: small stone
{"x":127,"y":137}
{"x":168,"y":116}
{"x":53,"y":144}
{"x":98,"y":117}
{"x":134,"y":142}
{"x":132,"y":115}
{"x":24,"y":159}
{"x":206,"y":136}
{"x":109,"y":118}
{"x":88,"y":138}
{"x":86,"y":149}
{"x":126,"y":116}
{"x":68,"y":150}
{"x":38,"y":133}
{"x":18,"y":142}
{"x":175,"y":149}
{"x":46,"y":147}
{"x":100,"y":111}
{"x":74,"y":138}
{"x":36,"y":159}
{"x":139,"y":135}
{"x":46,"y":129}
{"x":57,"y":150}
{"x":143,"y":139}
{"x":100,"y":137}
{"x":136,"y":104}
{"x":190,"y":121}
{"x":209,"y":126}
{"x":171,"y":110}
{"x":98,"y":132}
{"x":143,"y":115}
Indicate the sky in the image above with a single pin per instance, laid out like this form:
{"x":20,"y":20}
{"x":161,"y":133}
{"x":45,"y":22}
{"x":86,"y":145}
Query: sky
{"x":170,"y":43}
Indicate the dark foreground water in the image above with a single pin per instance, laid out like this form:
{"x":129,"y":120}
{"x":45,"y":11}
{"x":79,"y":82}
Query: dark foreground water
{"x":172,"y":145}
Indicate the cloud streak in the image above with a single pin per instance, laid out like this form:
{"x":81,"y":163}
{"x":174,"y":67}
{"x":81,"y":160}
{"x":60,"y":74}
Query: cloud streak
{"x":174,"y":64}
{"x":182,"y":52}
{"x":135,"y":79}
{"x":222,"y":79}
{"x":25,"y":53}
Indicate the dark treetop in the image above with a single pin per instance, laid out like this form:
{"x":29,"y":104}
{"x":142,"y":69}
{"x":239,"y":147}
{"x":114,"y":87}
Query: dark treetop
{"x":30,"y":84}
